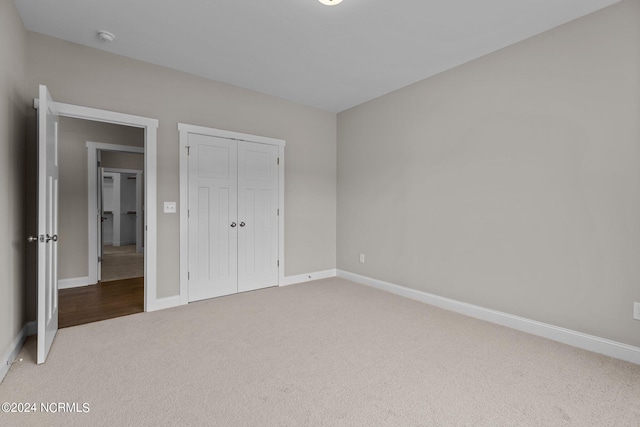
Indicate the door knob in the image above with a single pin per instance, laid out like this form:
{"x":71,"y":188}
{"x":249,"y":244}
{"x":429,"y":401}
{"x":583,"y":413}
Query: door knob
{"x":242,"y":224}
{"x":233,"y":224}
{"x":32,"y":239}
{"x":54,"y":238}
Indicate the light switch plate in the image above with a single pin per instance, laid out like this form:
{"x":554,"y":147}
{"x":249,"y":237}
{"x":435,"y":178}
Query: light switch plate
{"x":169,"y":207}
{"x":636,"y":310}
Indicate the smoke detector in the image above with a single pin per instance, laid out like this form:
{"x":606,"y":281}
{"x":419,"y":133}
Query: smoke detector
{"x":330,"y":2}
{"x":106,"y":36}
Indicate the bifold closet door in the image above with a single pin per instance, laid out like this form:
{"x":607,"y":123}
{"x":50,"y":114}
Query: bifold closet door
{"x":213,"y":230}
{"x":257,"y":215}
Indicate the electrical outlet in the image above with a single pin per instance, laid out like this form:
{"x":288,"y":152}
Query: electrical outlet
{"x":636,"y":310}
{"x":362,"y":258}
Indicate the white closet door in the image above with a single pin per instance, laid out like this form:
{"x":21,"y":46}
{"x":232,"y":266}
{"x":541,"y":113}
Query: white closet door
{"x":257,"y":216}
{"x":213,"y":232}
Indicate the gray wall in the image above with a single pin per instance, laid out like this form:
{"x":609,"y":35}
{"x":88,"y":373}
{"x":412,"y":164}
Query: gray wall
{"x":511,"y":182}
{"x":90,"y":77}
{"x":121,"y":160}
{"x":13,"y":43}
{"x":73,"y":135}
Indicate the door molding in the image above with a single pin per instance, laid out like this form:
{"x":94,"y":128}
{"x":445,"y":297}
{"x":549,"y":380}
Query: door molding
{"x":92,"y":185}
{"x":186,"y":129}
{"x":150,"y":126}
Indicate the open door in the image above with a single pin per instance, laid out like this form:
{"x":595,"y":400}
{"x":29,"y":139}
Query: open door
{"x":47,"y":224}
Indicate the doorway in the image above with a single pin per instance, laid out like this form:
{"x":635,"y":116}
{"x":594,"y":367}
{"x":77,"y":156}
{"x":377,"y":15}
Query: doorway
{"x":47,"y":287}
{"x":106,"y":254}
{"x":120,"y":207}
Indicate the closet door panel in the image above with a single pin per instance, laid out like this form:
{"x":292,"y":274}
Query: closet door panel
{"x":213,"y":203}
{"x":257,"y":216}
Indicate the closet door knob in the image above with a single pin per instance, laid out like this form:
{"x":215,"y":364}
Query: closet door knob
{"x":242,"y":224}
{"x":233,"y":224}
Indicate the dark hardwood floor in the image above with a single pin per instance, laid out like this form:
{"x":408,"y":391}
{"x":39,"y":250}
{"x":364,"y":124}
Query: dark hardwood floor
{"x":106,"y":300}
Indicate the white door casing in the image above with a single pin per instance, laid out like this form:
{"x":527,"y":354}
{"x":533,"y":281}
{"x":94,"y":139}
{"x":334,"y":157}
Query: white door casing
{"x":47,"y":224}
{"x":151,"y":300}
{"x":94,"y":211}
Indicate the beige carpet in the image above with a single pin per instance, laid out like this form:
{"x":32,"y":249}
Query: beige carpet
{"x":323,"y":353}
{"x":121,"y":262}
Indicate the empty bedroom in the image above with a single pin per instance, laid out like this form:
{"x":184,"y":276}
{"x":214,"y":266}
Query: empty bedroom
{"x":320,"y":212}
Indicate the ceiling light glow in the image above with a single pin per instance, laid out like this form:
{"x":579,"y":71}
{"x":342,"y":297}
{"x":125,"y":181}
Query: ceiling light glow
{"x":330,"y":2}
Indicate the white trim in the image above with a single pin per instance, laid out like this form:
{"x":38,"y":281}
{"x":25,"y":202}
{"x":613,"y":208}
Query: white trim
{"x":567,"y":336}
{"x":184,"y":131}
{"x":105,"y":116}
{"x":168,"y":302}
{"x":12,"y":352}
{"x":129,"y":171}
{"x":74,"y":282}
{"x":200,"y":130}
{"x":150,"y":167}
{"x":29,"y":329}
{"x":184,"y":222}
{"x":281,"y":260}
{"x":308,"y":277}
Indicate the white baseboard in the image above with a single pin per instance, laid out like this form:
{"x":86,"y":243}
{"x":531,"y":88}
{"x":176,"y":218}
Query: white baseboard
{"x":301,"y":278}
{"x":162,"y":303}
{"x":567,"y":336}
{"x":74,"y":282}
{"x":12,"y":352}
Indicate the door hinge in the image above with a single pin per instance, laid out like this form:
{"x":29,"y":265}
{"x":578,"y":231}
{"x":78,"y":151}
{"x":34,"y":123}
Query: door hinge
{"x":188,"y":213}
{"x":188,"y":275}
{"x":278,"y":212}
{"x":99,"y":259}
{"x":278,"y":263}
{"x":278,"y":161}
{"x":188,"y":150}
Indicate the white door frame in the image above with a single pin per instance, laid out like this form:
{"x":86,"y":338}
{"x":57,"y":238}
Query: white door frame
{"x":150,"y":126}
{"x":92,"y":194}
{"x":185,"y":130}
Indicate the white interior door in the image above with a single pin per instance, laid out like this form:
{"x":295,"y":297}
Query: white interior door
{"x":47,"y":224}
{"x":257,"y":216}
{"x":213,"y":230}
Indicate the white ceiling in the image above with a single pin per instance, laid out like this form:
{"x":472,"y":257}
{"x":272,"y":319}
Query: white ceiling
{"x":332,"y":58}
